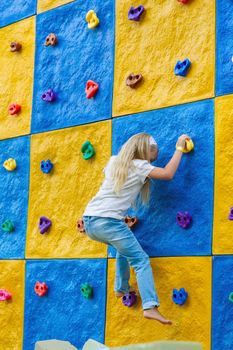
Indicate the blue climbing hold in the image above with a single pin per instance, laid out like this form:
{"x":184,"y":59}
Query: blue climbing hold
{"x":179,"y":296}
{"x":46,"y":166}
{"x":182,"y":67}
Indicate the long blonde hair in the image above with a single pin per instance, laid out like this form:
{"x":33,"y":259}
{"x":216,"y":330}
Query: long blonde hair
{"x":137,"y":147}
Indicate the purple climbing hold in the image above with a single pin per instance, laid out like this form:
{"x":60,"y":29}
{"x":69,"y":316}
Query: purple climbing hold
{"x":134,"y":14}
{"x":231,"y":214}
{"x":48,"y":96}
{"x":44,"y":224}
{"x":183,"y":219}
{"x":129,"y":299}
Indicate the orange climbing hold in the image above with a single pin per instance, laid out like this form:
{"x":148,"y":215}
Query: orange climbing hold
{"x":14,"y":108}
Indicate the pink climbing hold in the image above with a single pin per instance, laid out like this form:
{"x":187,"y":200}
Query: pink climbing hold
{"x":4,"y":295}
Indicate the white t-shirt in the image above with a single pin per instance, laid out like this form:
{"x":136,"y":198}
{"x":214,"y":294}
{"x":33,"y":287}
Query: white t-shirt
{"x":106,"y":203}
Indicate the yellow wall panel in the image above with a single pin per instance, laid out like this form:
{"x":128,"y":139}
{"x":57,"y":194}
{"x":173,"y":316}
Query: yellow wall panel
{"x":12,"y":311}
{"x":63,"y":194}
{"x":223,"y":200}
{"x":17,"y":70}
{"x":45,"y":5}
{"x":191,"y":321}
{"x":167,"y":32}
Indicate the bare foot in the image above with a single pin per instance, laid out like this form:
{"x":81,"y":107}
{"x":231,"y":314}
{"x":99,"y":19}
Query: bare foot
{"x":120,"y":294}
{"x":156,"y":315}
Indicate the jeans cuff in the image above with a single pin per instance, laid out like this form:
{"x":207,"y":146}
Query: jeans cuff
{"x":150,"y":304}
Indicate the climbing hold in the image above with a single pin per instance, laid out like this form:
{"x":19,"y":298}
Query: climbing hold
{"x":184,"y":1}
{"x":10,"y":164}
{"x":87,"y":150}
{"x":128,"y":299}
{"x":182,"y":67}
{"x":51,"y":39}
{"x":86,"y":290}
{"x":179,"y":296}
{"x":231,"y":214}
{"x":48,"y":96}
{"x":14,"y":108}
{"x":189,"y":146}
{"x":46,"y":166}
{"x":80,"y":226}
{"x":134,"y":14}
{"x":15,"y":46}
{"x":41,"y":288}
{"x":8,"y":226}
{"x":131,"y":221}
{"x":91,"y":88}
{"x":231,"y":297}
{"x":133,"y":79}
{"x":44,"y":224}
{"x":183,"y":219}
{"x":4,"y":295}
{"x":92,"y":19}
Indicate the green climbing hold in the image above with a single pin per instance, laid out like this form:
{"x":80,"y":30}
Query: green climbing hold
{"x":86,"y":290}
{"x":8,"y":226}
{"x":87,"y":150}
{"x":231,"y":297}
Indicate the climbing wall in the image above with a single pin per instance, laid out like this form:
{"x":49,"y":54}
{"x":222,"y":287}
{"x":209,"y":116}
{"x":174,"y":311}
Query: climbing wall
{"x":194,"y":96}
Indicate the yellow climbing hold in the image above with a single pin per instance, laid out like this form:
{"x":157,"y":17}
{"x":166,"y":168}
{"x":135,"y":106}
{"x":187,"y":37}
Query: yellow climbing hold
{"x":189,"y":146}
{"x":92,"y":19}
{"x":10,"y":164}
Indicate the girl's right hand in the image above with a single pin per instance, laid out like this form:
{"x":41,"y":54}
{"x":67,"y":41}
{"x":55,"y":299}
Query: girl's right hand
{"x":181,"y":140}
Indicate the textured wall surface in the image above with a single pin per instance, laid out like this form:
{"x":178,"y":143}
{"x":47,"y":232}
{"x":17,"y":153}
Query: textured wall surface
{"x":164,"y":105}
{"x":16,"y":77}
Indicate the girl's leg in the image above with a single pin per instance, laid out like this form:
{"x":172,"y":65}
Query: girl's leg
{"x":122,"y":274}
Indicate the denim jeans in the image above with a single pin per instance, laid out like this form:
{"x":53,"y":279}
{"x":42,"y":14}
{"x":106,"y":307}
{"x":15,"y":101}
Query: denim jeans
{"x":129,"y":253}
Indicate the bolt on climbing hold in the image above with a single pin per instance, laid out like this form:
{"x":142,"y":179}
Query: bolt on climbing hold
{"x":14,"y":108}
{"x":184,"y":1}
{"x":48,"y":96}
{"x":230,"y":216}
{"x":87,"y":150}
{"x":179,"y":296}
{"x":8,"y":226}
{"x":41,"y":288}
{"x":80,"y":226}
{"x":10,"y":164}
{"x":182,"y":67}
{"x":92,"y":19}
{"x":134,"y":14}
{"x":51,"y":39}
{"x":183,"y":219}
{"x":86,"y":290}
{"x":4,"y":295}
{"x":46,"y":166}
{"x":129,"y":299}
{"x":91,"y":88}
{"x":189,"y":146}
{"x":15,"y":46}
{"x":44,"y":224}
{"x":133,"y":79}
{"x":131,"y":221}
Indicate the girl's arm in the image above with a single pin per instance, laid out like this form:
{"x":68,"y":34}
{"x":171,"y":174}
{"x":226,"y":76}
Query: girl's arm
{"x":168,"y":172}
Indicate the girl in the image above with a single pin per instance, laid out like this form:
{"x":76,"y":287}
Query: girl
{"x":127,"y":175}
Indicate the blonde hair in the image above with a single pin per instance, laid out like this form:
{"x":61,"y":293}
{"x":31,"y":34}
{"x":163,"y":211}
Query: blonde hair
{"x":137,"y":147}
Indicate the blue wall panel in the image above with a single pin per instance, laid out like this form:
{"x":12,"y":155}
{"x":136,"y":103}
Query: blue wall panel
{"x":14,"y":196}
{"x":222,"y":308}
{"x":190,"y":190}
{"x":81,"y":54}
{"x":15,"y":10}
{"x":63,"y":313}
{"x":224,"y":54}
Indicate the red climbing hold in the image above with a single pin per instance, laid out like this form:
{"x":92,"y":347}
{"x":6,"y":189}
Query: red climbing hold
{"x":14,"y":108}
{"x":184,"y":1}
{"x":41,"y":288}
{"x":91,"y":88}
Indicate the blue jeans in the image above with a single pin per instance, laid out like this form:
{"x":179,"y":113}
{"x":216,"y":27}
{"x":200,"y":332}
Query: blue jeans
{"x":129,"y":253}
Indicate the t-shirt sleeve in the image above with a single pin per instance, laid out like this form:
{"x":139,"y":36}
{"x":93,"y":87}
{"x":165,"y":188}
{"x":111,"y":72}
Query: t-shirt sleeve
{"x":144,"y":168}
